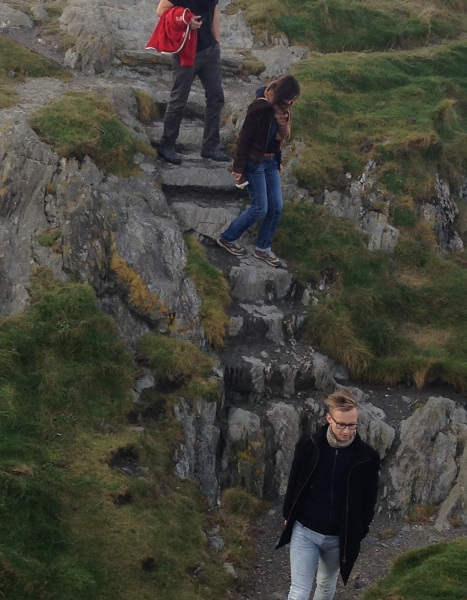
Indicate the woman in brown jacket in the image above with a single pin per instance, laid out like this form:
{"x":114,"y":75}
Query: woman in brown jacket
{"x":258,"y":161}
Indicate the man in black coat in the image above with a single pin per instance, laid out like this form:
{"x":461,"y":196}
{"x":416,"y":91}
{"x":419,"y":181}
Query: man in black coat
{"x":330,"y":501}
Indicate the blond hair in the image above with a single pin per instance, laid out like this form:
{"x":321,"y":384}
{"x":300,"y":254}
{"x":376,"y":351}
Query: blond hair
{"x":341,"y":400}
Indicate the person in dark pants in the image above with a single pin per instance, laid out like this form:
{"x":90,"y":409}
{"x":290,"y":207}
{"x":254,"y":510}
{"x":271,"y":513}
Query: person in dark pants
{"x":257,"y":160}
{"x":330,"y":501}
{"x":207,"y":67}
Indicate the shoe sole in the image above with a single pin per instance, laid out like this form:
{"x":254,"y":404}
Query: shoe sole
{"x":271,"y":264}
{"x":227,"y":159}
{"x":233,"y":252}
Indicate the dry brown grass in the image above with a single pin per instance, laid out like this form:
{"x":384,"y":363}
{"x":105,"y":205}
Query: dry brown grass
{"x":426,"y":337}
{"x":412,"y":278}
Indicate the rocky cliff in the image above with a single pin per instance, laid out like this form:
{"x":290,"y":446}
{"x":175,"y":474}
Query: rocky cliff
{"x":124,"y":237}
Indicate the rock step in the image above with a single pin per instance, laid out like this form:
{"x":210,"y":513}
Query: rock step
{"x":197,"y":172}
{"x":190,"y":137}
{"x":255,"y":368}
{"x":203,"y":216}
{"x":260,"y":321}
{"x":233,"y":63}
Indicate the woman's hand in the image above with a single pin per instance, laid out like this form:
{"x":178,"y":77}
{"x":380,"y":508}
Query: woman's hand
{"x":282,"y":118}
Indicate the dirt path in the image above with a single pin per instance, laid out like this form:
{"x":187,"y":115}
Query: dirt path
{"x":269,"y":576}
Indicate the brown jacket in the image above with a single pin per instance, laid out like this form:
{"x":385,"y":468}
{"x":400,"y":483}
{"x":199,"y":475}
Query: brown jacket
{"x":251,"y":143}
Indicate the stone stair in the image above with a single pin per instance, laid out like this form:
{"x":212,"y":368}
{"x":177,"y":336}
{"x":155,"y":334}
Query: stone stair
{"x":264,"y":355}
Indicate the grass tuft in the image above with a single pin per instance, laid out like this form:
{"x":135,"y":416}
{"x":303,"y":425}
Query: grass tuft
{"x":178,"y":365}
{"x":405,"y":110}
{"x":386,"y":319}
{"x":73,"y":522}
{"x":436,"y":572}
{"x":214,"y":290}
{"x":81,"y":124}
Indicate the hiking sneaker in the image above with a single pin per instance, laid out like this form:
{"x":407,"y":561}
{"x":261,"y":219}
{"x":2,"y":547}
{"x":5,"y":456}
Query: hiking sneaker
{"x":216,"y":155}
{"x":231,"y":247}
{"x":169,"y":155}
{"x":268,"y":257}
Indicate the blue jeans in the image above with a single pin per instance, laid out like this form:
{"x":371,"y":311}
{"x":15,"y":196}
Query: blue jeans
{"x":264,"y":189}
{"x":311,"y":553}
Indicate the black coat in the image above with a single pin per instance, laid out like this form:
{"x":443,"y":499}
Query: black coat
{"x":362,"y":489}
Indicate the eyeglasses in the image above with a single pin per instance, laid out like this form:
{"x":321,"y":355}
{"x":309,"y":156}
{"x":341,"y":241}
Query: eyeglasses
{"x":349,"y":426}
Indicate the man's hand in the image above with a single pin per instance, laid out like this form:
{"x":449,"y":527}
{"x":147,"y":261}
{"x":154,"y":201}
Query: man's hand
{"x":196,"y":22}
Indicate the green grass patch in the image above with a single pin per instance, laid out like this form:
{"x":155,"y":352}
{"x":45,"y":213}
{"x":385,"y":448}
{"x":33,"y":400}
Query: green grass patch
{"x":214,"y":290}
{"x":178,"y":365}
{"x":81,"y":124}
{"x":17,"y":62}
{"x":436,"y":572}
{"x":73,"y":523}
{"x":238,"y":508}
{"x":49,"y":238}
{"x":407,"y":111}
{"x":337,"y":26}
{"x":385,"y":320}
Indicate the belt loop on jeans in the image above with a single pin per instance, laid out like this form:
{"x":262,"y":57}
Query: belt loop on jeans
{"x":269,"y":154}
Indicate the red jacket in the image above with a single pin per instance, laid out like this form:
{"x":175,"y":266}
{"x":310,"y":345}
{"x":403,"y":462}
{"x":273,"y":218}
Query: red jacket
{"x":173,"y":35}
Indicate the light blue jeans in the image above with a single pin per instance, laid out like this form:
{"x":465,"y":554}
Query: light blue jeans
{"x":264,"y":189}
{"x":311,"y":553}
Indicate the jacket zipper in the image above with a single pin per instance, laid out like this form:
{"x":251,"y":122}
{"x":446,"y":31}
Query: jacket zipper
{"x":344,"y":558}
{"x":332,"y":485}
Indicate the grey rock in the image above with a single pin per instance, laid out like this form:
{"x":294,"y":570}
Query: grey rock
{"x":196,"y":455}
{"x":254,"y":281}
{"x":38,"y":12}
{"x":235,"y":325}
{"x":454,"y":506}
{"x":207,"y":220}
{"x":94,"y":48}
{"x":279,"y":59}
{"x":425,"y":470}
{"x":256,"y":368}
{"x":382,"y":235}
{"x":284,"y":420}
{"x":242,"y":425}
{"x":196,"y":172}
{"x":27,"y":168}
{"x":11,"y":17}
{"x":374,"y":430}
{"x":228,"y":566}
{"x":243,"y":458}
{"x":349,"y":207}
{"x":146,"y":381}
{"x":234,"y":32}
{"x":268,"y":314}
{"x":441,"y":212}
{"x":324,"y":379}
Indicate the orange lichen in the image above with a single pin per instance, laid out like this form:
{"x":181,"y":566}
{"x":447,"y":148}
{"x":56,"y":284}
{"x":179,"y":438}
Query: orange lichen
{"x":138,"y":294}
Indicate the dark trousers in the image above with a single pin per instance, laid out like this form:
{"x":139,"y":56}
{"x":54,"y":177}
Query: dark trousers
{"x":208,"y":68}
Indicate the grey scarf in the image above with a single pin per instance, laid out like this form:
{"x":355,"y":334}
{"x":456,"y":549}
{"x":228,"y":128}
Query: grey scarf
{"x":335,"y":443}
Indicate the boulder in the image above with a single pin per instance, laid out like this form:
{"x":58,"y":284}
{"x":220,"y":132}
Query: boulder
{"x":284,"y":431}
{"x":196,"y":455}
{"x":424,"y":469}
{"x":11,"y":17}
